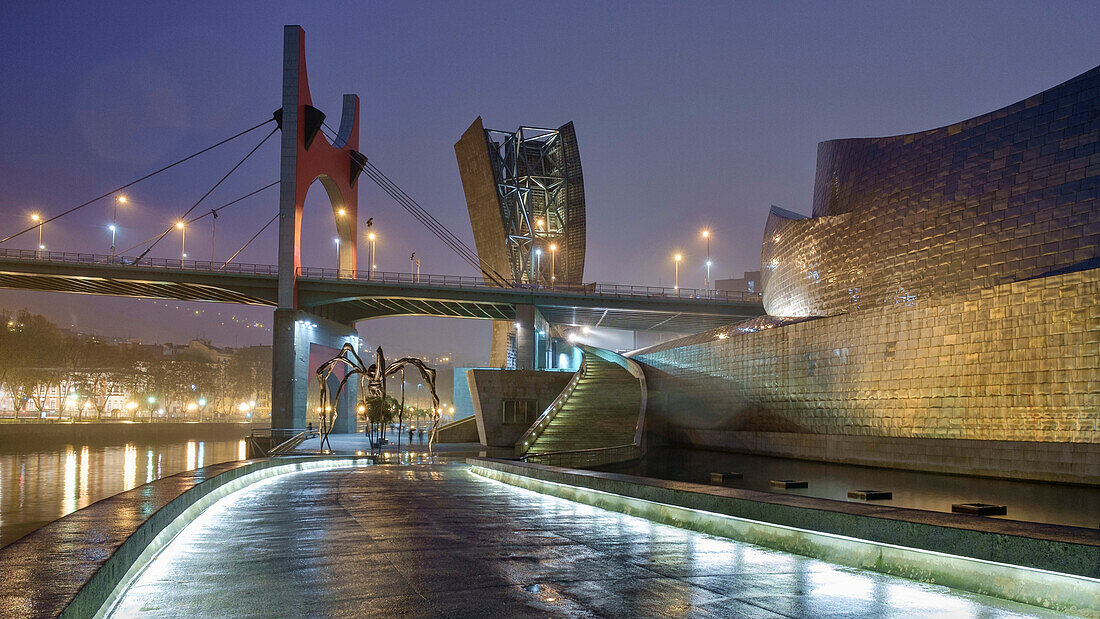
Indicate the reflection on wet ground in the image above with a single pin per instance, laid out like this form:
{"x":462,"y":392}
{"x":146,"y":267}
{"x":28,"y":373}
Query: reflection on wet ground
{"x":37,"y":487}
{"x":435,"y":540}
{"x":1030,"y":501}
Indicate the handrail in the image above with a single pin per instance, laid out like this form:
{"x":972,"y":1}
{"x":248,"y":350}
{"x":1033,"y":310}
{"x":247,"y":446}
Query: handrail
{"x":593,"y":456}
{"x":292,"y":443}
{"x":384,"y":277}
{"x":551,"y":411}
{"x":636,"y":371}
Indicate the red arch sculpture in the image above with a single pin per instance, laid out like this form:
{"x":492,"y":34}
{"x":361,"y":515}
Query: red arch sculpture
{"x":307,"y":156}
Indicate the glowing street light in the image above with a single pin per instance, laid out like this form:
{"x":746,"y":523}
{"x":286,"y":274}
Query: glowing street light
{"x":337,"y":241}
{"x":120,"y":199}
{"x":553,"y":263}
{"x":183,"y":241}
{"x":38,"y":219}
{"x":538,"y":266}
{"x":677,"y":258}
{"x":706,"y":282}
{"x":371,"y":237}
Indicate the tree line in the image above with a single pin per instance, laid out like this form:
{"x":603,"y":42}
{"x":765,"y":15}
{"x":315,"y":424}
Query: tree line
{"x":39,"y":358}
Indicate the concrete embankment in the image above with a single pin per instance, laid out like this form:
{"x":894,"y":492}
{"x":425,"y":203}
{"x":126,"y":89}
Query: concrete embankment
{"x":19,"y":435}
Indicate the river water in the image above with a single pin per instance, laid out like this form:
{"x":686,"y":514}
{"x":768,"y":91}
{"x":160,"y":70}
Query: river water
{"x":1049,"y":503}
{"x":42,"y":485}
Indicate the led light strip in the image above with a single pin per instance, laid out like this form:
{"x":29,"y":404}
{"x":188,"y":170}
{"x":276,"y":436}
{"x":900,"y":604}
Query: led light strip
{"x":1028,"y":585}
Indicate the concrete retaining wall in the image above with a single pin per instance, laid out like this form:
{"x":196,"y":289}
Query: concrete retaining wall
{"x":490,"y":387}
{"x":113,"y":433}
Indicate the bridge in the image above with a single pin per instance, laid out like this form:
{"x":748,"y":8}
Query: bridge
{"x":351,"y":296}
{"x":321,"y":306}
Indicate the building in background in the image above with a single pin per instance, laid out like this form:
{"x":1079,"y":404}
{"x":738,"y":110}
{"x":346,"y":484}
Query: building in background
{"x":748,"y":282}
{"x":525,"y":195}
{"x":940,"y":310}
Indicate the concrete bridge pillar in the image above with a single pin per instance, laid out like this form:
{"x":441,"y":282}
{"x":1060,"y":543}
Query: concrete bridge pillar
{"x":525,"y":337}
{"x":294,"y":334}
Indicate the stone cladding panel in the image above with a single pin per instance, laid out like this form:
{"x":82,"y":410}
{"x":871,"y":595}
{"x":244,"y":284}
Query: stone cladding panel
{"x":1014,"y":362}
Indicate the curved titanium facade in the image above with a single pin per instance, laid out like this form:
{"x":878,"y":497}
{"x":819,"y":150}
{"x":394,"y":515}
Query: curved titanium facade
{"x":940,"y":309}
{"x":1002,"y":197}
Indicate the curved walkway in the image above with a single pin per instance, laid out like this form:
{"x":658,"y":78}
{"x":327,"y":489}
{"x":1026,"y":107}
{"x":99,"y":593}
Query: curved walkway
{"x":427,"y":541}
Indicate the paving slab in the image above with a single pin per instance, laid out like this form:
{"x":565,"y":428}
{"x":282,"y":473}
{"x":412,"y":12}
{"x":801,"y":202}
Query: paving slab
{"x":438,"y":541}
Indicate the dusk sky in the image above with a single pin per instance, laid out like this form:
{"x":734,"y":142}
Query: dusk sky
{"x":688,"y":115}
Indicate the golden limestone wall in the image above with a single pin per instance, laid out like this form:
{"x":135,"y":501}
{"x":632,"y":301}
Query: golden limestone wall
{"x":1016,"y":362}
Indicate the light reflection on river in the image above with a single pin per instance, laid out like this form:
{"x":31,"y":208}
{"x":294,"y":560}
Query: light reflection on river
{"x":41,"y":486}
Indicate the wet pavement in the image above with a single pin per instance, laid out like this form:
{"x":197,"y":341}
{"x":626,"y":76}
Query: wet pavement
{"x":436,"y":540}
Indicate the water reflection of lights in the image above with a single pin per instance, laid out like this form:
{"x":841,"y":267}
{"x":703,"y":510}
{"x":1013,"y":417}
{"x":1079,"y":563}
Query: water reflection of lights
{"x":129,"y":466}
{"x":242,"y":450}
{"x":190,"y":465}
{"x":202,"y":453}
{"x":149,"y":466}
{"x":849,"y":585}
{"x":69,"y":492}
{"x":84,"y":471}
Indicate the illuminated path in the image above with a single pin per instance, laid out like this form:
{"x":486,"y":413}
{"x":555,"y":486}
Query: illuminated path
{"x":439,"y":541}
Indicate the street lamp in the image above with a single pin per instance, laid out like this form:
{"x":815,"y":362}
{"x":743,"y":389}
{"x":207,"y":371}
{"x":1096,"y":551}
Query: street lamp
{"x":114,"y":219}
{"x":538,"y":266}
{"x":337,"y":241}
{"x":553,"y":263}
{"x":371,"y":237}
{"x":677,"y":258}
{"x":183,"y":241}
{"x":706,"y":282}
{"x":37,"y":219}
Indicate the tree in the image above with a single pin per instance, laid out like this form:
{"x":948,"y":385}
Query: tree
{"x":378,"y":414}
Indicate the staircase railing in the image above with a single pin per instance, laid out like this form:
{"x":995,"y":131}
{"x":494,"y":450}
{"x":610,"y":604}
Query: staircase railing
{"x":585,"y":458}
{"x":599,"y":456}
{"x":528,"y":438}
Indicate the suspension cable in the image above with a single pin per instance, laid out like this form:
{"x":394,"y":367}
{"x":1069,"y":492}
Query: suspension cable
{"x":249,"y":241}
{"x":429,"y":221}
{"x":210,"y":191}
{"x":227,"y":204}
{"x":134,"y":182}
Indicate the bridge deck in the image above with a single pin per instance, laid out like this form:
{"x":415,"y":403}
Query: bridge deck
{"x":348,"y":297}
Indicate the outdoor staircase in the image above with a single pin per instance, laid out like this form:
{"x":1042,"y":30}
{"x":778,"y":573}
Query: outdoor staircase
{"x":601,"y":409}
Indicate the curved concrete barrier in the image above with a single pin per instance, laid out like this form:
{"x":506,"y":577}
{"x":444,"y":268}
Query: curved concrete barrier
{"x":1042,"y":565}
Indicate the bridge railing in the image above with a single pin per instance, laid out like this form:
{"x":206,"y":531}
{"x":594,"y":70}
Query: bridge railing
{"x":465,"y":281}
{"x":174,"y":264}
{"x":387,"y":277}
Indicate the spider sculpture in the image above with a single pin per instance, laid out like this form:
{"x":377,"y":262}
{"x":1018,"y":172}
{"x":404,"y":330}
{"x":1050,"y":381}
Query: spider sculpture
{"x":373,"y":378}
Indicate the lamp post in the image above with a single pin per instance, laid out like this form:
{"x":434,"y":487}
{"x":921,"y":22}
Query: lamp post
{"x":114,"y":219}
{"x":538,"y":266}
{"x":676,"y":260}
{"x":183,"y":241}
{"x":35,"y":217}
{"x":553,"y":263}
{"x":371,"y":237}
{"x":337,"y":241}
{"x":213,"y":232}
{"x":706,"y":280}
